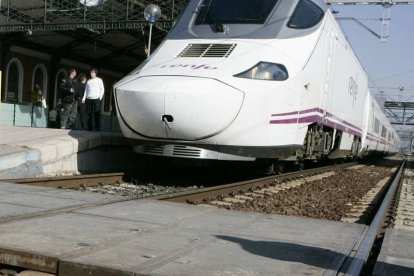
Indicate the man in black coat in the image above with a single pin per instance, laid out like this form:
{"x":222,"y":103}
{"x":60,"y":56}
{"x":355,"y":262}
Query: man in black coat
{"x":67,"y":90}
{"x":79,"y":92}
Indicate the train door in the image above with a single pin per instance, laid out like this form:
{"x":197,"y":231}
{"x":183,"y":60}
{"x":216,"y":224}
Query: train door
{"x":368,"y":122}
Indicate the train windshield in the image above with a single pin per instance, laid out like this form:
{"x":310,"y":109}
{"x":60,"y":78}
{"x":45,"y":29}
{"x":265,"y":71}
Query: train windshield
{"x":234,"y":11}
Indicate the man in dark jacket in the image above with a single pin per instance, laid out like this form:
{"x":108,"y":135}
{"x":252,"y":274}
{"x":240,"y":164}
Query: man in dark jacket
{"x":67,"y":89}
{"x":79,"y":92}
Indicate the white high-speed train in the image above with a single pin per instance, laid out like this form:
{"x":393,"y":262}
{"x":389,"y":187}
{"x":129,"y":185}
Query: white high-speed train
{"x":250,"y":80}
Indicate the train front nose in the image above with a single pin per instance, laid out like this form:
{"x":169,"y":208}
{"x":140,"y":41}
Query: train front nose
{"x":174,"y":107}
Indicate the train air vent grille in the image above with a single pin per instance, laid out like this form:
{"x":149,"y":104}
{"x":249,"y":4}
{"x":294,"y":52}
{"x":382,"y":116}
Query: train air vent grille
{"x":207,"y":50}
{"x":184,"y":151}
{"x":151,"y":149}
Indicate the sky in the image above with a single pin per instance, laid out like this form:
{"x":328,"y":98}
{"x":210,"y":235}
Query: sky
{"x":390,"y":65}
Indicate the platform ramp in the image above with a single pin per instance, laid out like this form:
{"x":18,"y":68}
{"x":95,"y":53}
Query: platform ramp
{"x":33,"y":152}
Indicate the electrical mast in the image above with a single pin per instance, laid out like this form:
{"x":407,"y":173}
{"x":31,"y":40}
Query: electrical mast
{"x":385,"y":19}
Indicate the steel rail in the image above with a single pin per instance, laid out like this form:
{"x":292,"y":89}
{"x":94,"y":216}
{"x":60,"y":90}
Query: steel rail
{"x":72,"y":181}
{"x":363,"y":252}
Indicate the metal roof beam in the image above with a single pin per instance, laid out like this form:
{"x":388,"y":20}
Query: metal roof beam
{"x":120,"y":25}
{"x":47,"y":15}
{"x":391,"y":115}
{"x":409,"y":119}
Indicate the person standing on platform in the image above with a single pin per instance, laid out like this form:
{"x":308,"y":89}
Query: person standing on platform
{"x":94,"y":93}
{"x":40,"y":99}
{"x":67,"y":88}
{"x":79,"y":92}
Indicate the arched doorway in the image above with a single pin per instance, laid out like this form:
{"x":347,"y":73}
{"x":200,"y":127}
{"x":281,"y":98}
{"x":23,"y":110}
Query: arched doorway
{"x":14,"y":81}
{"x":61,"y":74}
{"x":40,"y":79}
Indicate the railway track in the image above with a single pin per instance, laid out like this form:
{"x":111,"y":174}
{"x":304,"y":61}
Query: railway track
{"x":192,"y":195}
{"x":201,"y":195}
{"x":366,"y":253}
{"x":71,"y":181}
{"x":403,"y":214}
{"x":353,"y":266}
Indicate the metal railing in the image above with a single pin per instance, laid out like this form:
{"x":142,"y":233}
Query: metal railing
{"x":24,"y":114}
{"x":57,"y":15}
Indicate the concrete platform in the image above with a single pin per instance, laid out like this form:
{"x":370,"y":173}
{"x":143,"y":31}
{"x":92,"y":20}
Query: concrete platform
{"x":74,"y":233}
{"x":397,"y":254}
{"x":31,"y":152}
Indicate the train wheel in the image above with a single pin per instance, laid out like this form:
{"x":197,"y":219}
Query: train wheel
{"x":265,"y":167}
{"x":270,"y":168}
{"x":300,"y":166}
{"x":278,"y":168}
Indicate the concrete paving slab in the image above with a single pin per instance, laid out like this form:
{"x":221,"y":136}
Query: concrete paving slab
{"x":233,"y":245}
{"x":48,"y":151}
{"x":19,"y":199}
{"x":7,"y":149}
{"x":67,"y":234}
{"x":146,"y":210}
{"x":44,"y":201}
{"x":251,"y":255}
{"x":16,"y":161}
{"x":8,"y":210}
{"x":22,"y":188}
{"x":397,"y":254}
{"x":9,"y":188}
{"x":162,"y":238}
{"x":15,"y":134}
{"x":86,"y":197}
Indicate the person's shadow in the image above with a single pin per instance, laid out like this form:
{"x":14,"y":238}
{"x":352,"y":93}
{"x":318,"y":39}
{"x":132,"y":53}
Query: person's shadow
{"x":313,"y":256}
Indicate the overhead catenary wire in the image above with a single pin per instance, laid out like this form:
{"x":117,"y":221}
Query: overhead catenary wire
{"x":396,"y":75}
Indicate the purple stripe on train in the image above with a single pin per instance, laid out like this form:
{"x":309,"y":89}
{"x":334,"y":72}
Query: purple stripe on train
{"x":319,"y":110}
{"x":316,"y":119}
{"x":316,"y":109}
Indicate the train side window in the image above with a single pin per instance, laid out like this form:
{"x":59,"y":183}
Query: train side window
{"x":306,"y":15}
{"x":384,"y":132}
{"x":376,"y":125}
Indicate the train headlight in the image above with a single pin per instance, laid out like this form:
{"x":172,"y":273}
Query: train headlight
{"x":265,"y":71}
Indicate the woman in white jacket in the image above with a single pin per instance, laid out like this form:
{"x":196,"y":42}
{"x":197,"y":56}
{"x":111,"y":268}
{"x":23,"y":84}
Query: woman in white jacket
{"x":94,"y":92}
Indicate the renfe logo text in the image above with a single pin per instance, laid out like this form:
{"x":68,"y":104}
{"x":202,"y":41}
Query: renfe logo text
{"x":190,"y":66}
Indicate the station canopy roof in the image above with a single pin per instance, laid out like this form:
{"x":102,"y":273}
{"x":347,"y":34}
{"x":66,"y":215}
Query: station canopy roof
{"x":110,"y":34}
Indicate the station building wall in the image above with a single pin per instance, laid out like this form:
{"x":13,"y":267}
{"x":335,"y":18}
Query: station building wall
{"x":23,"y":68}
